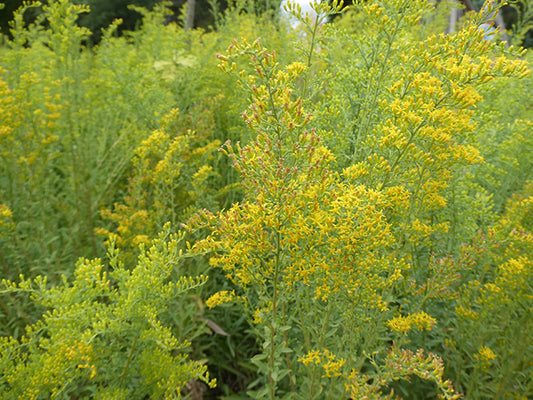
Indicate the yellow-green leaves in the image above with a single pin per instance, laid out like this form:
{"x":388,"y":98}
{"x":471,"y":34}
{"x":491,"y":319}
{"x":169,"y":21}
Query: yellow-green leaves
{"x":103,"y":332}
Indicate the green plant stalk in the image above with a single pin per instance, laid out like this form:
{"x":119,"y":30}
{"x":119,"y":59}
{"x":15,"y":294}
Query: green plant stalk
{"x":287,"y":357}
{"x":272,"y":320}
{"x":311,"y":52}
{"x":320,"y":343}
{"x":304,"y":331}
{"x":130,"y":355}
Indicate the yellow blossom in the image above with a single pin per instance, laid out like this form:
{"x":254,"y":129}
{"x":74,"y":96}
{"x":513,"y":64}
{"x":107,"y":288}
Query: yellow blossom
{"x":224,"y":296}
{"x":418,"y":321}
{"x":485,"y":354}
{"x":312,"y":357}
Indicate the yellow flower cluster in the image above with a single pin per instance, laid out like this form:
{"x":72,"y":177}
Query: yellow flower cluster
{"x":485,"y":354}
{"x":6,"y":220}
{"x":222,"y":297}
{"x":5,"y":212}
{"x":10,"y":114}
{"x":32,"y":143}
{"x":79,"y":352}
{"x":418,"y":321}
{"x":484,"y":358}
{"x":328,"y":361}
{"x":328,"y":244}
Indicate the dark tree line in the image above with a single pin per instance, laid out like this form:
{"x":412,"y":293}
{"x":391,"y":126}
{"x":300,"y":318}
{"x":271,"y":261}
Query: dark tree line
{"x":200,"y":13}
{"x":103,"y":12}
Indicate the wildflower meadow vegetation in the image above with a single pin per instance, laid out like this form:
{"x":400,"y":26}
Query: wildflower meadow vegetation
{"x":341,"y":210}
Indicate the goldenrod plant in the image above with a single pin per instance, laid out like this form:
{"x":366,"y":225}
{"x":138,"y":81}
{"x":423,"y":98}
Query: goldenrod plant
{"x":310,"y":251}
{"x":71,"y":121}
{"x":318,"y":251}
{"x":172,"y":177}
{"x":489,"y":344}
{"x":102,"y":335}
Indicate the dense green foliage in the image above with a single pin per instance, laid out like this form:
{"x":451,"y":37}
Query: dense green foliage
{"x":337,"y":211}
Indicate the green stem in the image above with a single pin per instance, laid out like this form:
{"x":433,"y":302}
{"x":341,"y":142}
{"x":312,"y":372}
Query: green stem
{"x":128,"y":361}
{"x":274,"y":312}
{"x":314,"y":31}
{"x":320,"y":344}
{"x":302,"y":323}
{"x":287,"y":357}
